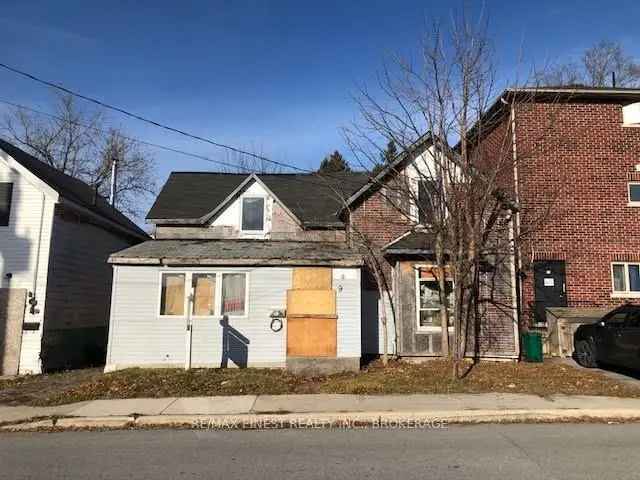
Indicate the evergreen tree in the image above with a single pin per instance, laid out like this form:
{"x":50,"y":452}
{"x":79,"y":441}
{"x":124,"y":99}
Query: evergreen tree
{"x":334,"y":163}
{"x":386,"y":157}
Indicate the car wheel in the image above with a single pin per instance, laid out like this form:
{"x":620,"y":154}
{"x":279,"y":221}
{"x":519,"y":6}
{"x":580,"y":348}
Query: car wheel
{"x":586,"y":353}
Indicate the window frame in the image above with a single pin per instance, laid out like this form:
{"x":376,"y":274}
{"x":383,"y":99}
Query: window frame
{"x":632,"y":203}
{"x":264,"y":214}
{"x":434,"y":328}
{"x":10,"y":204}
{"x":627,"y":293}
{"x":217,"y":297}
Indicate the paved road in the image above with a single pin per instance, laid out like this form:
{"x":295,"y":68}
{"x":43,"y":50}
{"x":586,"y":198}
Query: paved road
{"x":460,"y":452}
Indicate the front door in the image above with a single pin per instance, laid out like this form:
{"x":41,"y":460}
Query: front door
{"x":550,"y":288}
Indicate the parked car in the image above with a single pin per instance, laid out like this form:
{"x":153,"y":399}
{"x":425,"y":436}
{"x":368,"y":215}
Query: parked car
{"x":613,"y":340}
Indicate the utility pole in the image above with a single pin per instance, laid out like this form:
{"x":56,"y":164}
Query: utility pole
{"x":114,"y":181}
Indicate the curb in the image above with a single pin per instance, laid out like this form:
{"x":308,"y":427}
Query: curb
{"x":425,"y":420}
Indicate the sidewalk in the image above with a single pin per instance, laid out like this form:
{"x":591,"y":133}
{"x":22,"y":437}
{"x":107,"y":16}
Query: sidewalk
{"x":293,"y":409}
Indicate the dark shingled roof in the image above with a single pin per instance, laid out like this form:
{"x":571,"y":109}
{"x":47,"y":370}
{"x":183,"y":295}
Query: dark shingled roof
{"x":314,"y":199}
{"x":237,"y":252}
{"x":72,"y":189}
{"x":413,"y":243}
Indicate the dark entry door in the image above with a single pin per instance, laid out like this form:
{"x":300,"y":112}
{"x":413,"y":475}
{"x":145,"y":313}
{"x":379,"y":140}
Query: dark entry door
{"x":549,"y":286}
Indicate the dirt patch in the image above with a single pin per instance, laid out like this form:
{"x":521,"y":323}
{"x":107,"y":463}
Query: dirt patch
{"x":398,"y":377}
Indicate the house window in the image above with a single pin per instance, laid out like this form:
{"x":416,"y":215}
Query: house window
{"x":204,"y":294}
{"x":426,"y":191}
{"x":6,"y":190}
{"x":429,"y":305}
{"x":210,"y":294}
{"x":253,"y":214}
{"x":626,"y":278}
{"x":634,"y":193}
{"x":172,"y":294}
{"x":234,"y":289}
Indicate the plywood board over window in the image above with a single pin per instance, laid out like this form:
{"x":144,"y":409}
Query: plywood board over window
{"x":312,"y":278}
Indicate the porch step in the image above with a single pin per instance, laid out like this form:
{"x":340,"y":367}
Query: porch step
{"x":316,"y":366}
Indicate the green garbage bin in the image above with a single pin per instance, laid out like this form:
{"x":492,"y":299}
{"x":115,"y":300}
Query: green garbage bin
{"x":532,"y":346}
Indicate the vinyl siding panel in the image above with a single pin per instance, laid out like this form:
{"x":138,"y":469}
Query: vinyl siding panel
{"x":139,"y":336}
{"x":24,"y":250}
{"x":346,"y":282}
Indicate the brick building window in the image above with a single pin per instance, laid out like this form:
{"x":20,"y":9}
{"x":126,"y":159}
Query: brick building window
{"x":634,"y":193}
{"x":626,"y":278}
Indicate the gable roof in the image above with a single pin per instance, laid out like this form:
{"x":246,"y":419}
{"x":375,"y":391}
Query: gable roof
{"x":73,"y":190}
{"x":373,"y":183}
{"x":315,"y":200}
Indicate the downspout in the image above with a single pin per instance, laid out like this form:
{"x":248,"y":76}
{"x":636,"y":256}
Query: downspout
{"x":514,"y":233}
{"x":34,"y":290}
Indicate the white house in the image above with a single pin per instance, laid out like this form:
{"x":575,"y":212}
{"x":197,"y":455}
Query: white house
{"x":55,"y":238}
{"x":245,"y":270}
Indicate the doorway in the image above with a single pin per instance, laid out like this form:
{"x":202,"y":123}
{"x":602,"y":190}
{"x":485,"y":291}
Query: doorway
{"x":550,"y":287}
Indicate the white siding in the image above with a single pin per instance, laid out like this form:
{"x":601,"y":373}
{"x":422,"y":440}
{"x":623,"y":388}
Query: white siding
{"x":346,"y":282}
{"x":28,"y":232}
{"x":232,"y":215}
{"x":138,"y":336}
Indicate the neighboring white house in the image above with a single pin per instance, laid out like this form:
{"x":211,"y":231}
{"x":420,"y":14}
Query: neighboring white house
{"x":55,"y":237}
{"x":245,"y":270}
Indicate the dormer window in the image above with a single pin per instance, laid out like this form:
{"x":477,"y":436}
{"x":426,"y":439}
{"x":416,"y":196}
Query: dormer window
{"x":253,"y":214}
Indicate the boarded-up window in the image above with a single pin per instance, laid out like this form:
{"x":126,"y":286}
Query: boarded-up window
{"x":253,"y":214}
{"x":233,"y":293}
{"x":5,"y":203}
{"x":204,"y":293}
{"x":172,"y":295}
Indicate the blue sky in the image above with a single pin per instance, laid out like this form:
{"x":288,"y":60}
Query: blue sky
{"x":270,"y":76}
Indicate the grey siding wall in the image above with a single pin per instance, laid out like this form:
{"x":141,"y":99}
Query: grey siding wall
{"x":78,"y":293}
{"x":372,"y":326}
{"x":140,"y":337}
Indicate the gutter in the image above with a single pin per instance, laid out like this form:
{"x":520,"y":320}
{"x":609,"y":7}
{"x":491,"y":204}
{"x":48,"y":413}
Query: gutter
{"x":514,"y":233}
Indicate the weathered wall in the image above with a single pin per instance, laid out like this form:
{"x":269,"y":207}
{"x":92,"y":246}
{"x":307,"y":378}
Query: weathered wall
{"x":494,"y":335}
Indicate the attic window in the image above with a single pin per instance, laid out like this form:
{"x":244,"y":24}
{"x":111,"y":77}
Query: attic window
{"x":253,"y":214}
{"x":631,"y":115}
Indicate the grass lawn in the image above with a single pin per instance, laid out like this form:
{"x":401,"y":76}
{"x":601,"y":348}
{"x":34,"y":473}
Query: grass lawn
{"x":398,"y":377}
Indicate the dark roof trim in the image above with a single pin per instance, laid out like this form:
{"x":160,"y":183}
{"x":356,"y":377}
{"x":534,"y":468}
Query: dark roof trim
{"x":237,"y":262}
{"x":408,"y":251}
{"x":420,"y":145}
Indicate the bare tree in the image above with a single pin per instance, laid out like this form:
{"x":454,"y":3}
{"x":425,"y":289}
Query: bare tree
{"x":596,"y":68}
{"x":463,"y":196}
{"x":80,"y":143}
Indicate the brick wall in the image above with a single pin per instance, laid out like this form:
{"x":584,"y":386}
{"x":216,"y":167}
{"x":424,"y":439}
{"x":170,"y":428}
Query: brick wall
{"x":578,"y":160}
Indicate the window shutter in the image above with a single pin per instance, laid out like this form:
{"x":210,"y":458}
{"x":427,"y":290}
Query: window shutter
{"x":6,"y":189}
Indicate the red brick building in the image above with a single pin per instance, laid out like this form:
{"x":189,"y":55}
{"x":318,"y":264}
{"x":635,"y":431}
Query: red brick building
{"x":576,"y":177}
{"x":393,"y":227}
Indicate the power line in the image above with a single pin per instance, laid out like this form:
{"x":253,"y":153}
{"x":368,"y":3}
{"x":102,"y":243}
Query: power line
{"x":321,"y":177}
{"x":147,"y":120}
